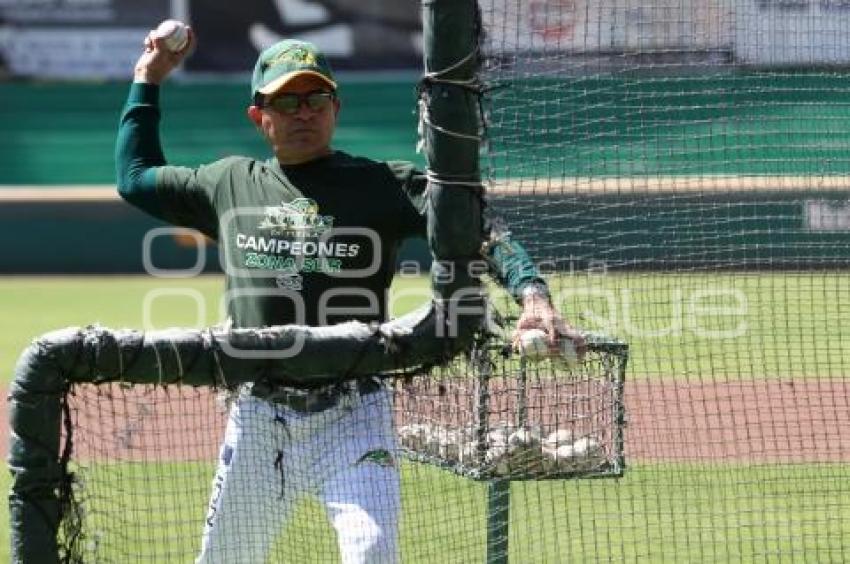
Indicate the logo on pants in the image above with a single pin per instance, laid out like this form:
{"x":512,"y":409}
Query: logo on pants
{"x":382,"y":457}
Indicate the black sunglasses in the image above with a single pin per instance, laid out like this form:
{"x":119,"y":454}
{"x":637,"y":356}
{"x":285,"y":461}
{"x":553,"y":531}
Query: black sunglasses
{"x":290,"y":103}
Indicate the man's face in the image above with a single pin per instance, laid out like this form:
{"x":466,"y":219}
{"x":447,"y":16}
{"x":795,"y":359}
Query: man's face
{"x":305,"y":133}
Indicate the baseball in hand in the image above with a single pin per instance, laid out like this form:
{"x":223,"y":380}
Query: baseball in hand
{"x":174,"y":35}
{"x":533,"y":344}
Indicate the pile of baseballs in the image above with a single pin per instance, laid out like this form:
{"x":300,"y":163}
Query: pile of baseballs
{"x":533,"y":345}
{"x":507,"y":450}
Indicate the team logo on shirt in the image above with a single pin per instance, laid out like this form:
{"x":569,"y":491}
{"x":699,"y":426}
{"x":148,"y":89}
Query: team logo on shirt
{"x":300,"y":217}
{"x":294,"y":238}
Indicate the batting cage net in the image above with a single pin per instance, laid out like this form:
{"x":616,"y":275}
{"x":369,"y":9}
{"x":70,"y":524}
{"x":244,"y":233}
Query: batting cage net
{"x":141,"y":460}
{"x":680,"y":169}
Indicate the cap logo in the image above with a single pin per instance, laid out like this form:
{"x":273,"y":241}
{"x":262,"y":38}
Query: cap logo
{"x":297,"y":55}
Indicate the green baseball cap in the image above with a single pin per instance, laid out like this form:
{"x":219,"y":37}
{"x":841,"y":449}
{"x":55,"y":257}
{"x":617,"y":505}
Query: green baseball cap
{"x":285,"y":60}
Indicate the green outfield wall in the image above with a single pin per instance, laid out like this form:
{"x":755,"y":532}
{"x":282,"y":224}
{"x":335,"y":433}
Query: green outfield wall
{"x":716,"y":123}
{"x":108,"y":236}
{"x":90,"y":237}
{"x":742,"y":229}
{"x":720,"y":122}
{"x":753,"y":126}
{"x":65,"y":133}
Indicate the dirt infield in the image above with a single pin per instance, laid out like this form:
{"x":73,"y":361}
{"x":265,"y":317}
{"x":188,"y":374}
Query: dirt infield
{"x":752,"y":421}
{"x":760,"y":421}
{"x":780,"y":421}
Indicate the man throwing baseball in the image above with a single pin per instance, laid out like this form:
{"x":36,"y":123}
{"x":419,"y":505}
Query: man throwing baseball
{"x":308,"y":236}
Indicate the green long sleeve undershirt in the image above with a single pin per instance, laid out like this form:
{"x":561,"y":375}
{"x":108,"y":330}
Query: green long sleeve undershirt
{"x":138,"y":150}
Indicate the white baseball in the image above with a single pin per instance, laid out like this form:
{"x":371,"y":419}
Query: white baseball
{"x":468,"y":452}
{"x":174,"y":35}
{"x":533,"y":344}
{"x":586,"y":446}
{"x":414,"y":436}
{"x":523,"y":437}
{"x":565,"y":452}
{"x":559,"y":437}
{"x":519,"y":437}
{"x":448,"y":445}
{"x":495,"y":453}
{"x":498,"y":436}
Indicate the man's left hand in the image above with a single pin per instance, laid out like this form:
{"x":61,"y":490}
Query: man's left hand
{"x":539,"y":313}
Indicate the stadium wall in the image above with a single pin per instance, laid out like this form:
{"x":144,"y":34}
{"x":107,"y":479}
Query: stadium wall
{"x":64,"y":133}
{"x":57,"y":137}
{"x":106,"y":236}
{"x":751,"y":229}
{"x":746,"y":228}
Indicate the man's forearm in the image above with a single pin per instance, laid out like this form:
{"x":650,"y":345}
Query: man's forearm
{"x":511,"y":265}
{"x":138,"y":150}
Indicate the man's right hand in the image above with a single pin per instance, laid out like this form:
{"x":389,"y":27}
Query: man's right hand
{"x":157,"y":61}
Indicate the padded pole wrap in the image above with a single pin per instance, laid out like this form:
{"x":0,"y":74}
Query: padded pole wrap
{"x":290,"y":354}
{"x":450,"y":91}
{"x":449,"y":131}
{"x":34,"y":416}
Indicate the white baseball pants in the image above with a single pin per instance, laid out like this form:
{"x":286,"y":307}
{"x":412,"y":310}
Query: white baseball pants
{"x":345,"y":456}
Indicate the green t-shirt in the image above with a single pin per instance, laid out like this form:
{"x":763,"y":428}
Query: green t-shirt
{"x":313,"y":243}
{"x":310,"y":244}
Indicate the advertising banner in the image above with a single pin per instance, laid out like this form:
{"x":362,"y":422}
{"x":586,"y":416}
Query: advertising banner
{"x":97,"y":39}
{"x":602,"y":26}
{"x":355,"y":34}
{"x":74,"y":38}
{"x":103,"y":38}
{"x":793,"y":32}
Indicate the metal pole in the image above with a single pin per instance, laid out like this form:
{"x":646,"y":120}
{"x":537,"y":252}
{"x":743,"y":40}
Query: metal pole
{"x":499,"y":491}
{"x":498,"y":520}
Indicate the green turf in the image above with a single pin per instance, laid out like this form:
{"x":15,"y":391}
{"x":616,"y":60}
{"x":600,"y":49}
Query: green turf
{"x":656,"y":513}
{"x":32,"y":306}
{"x":790,"y":324}
{"x":719,"y":326}
{"x":795,"y":325}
